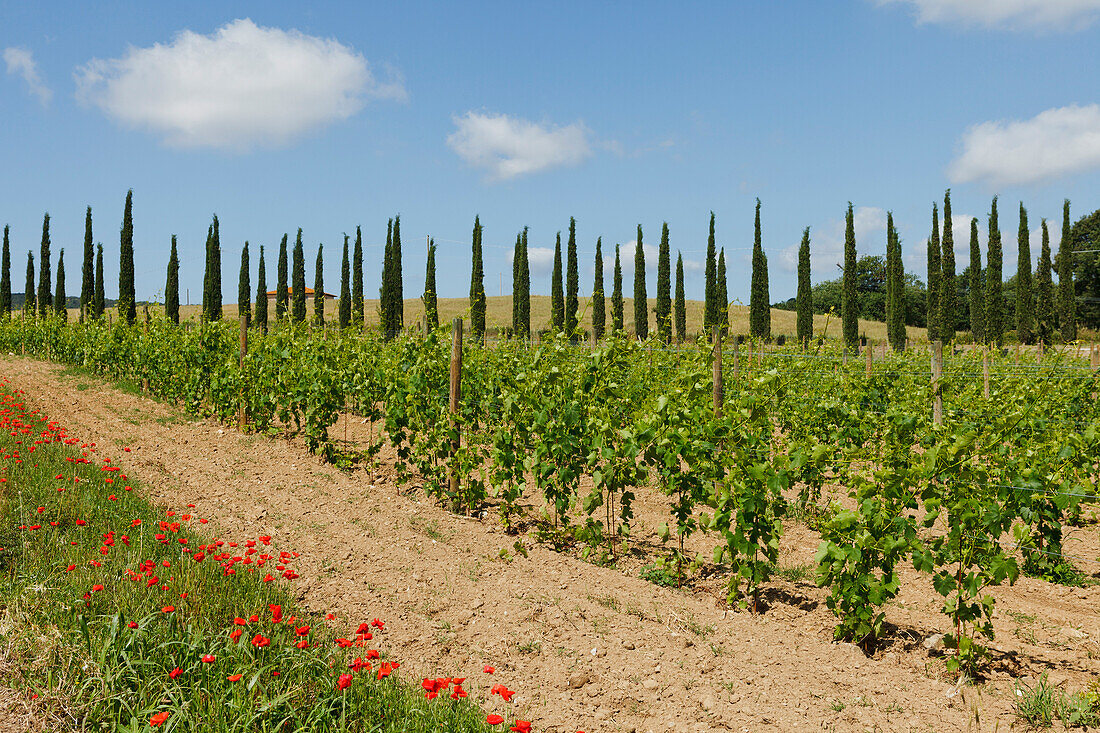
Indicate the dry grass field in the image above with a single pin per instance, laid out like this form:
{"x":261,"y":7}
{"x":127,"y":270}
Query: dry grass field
{"x":499,"y":316}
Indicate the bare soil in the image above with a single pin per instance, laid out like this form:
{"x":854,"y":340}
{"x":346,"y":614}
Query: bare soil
{"x":586,"y":647}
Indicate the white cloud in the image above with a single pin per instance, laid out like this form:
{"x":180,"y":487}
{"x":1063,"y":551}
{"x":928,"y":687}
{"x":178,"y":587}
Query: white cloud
{"x":21,"y":61}
{"x":239,"y":87}
{"x":506,"y":147}
{"x":540,"y":260}
{"x":1006,"y":14}
{"x":1054,"y":143}
{"x":827,"y":242}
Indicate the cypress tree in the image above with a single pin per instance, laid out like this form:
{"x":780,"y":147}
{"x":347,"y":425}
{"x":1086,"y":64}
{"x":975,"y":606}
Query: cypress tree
{"x":525,"y":292}
{"x":213,"y":296}
{"x":572,"y":281}
{"x":977,"y":287}
{"x":319,"y":290}
{"x":345,"y":288}
{"x":664,"y":288}
{"x":431,"y":302}
{"x":397,"y":281}
{"x":517,"y":254}
{"x":282,"y":290}
{"x":100,"y":302}
{"x":59,"y":295}
{"x":298,"y":281}
{"x":994,"y":322}
{"x":207,"y":274}
{"x":385,"y":297}
{"x":849,"y":304}
{"x":759,"y":306}
{"x":557,"y":298}
{"x":127,"y":295}
{"x":171,"y":286}
{"x":935,"y":272}
{"x":1025,"y":301}
{"x":477,"y":286}
{"x":1044,"y":291}
{"x":357,"y":311}
{"x":28,"y":291}
{"x":894,"y":294}
{"x":5,"y":278}
{"x":216,"y":278}
{"x":722,"y":294}
{"x":1067,"y":306}
{"x":244,"y":290}
{"x":804,"y":301}
{"x":948,"y":312}
{"x":641,"y":301}
{"x":617,"y":294}
{"x":599,"y":315}
{"x":710,"y":297}
{"x":261,"y":294}
{"x":897,"y":335}
{"x":681,"y":300}
{"x":87,"y":279}
{"x":45,"y":297}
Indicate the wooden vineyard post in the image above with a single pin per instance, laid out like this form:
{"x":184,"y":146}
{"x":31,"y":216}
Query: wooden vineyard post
{"x":717,"y":366}
{"x":736,"y":360}
{"x":937,"y":375}
{"x":985,"y":372}
{"x":869,"y":353}
{"x":1039,"y":353}
{"x":456,"y":397}
{"x":243,"y":413}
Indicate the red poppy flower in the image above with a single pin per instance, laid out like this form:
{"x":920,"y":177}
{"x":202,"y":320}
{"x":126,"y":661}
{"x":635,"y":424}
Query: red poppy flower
{"x":157,"y":720}
{"x":96,"y":588}
{"x":303,"y":644}
{"x":503,"y":691}
{"x":234,"y":678}
{"x":521,"y":726}
{"x":488,"y":669}
{"x":175,"y":673}
{"x":494,"y":719}
{"x":372,"y":654}
{"x":302,"y":630}
{"x":260,"y":640}
{"x":70,"y":568}
{"x":276,"y":613}
{"x":378,"y":624}
{"x":239,"y":621}
{"x":208,"y":658}
{"x":343,"y":682}
{"x":132,"y":624}
{"x":168,"y":609}
{"x":358,"y":665}
{"x":384,"y":670}
{"x":253,"y":619}
{"x":330,"y":616}
{"x":235,"y":634}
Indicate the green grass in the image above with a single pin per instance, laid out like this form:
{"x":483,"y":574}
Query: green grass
{"x":84,"y":627}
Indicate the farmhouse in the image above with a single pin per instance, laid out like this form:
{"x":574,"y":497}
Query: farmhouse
{"x":290,"y":295}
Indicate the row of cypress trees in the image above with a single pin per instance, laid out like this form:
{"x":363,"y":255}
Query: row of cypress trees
{"x":1040,"y":311}
{"x":40,"y":299}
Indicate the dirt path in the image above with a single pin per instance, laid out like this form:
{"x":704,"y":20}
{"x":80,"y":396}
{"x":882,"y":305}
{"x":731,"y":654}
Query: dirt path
{"x":586,"y":648}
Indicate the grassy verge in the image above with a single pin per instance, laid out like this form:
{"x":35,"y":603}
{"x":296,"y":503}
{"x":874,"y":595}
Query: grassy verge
{"x":115,"y":614}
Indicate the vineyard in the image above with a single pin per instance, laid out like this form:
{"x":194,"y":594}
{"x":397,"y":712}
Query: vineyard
{"x":561,"y":437}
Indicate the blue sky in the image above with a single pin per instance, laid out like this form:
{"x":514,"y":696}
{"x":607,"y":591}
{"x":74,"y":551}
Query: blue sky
{"x":276,"y":116}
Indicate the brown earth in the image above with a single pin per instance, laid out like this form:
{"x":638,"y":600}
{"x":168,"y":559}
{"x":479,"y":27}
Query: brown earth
{"x":586,"y":647}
